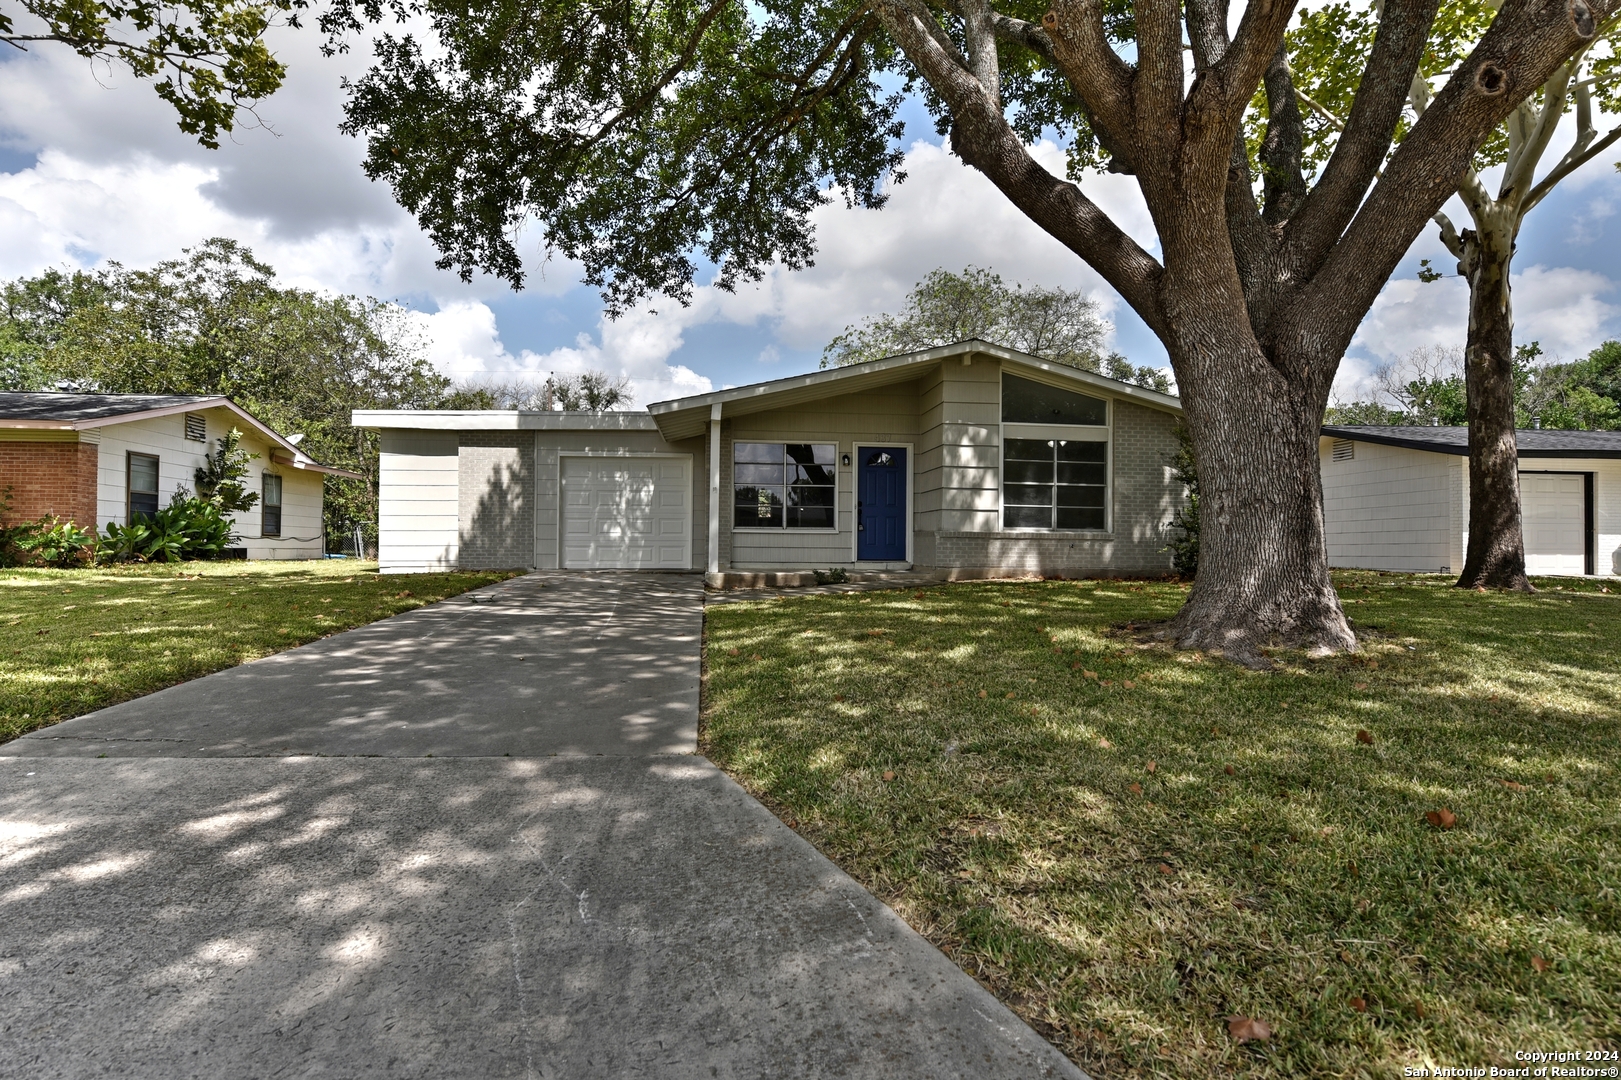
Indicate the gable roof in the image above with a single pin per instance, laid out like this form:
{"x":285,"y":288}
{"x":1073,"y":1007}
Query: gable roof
{"x":1532,"y":442}
{"x":682,"y":418}
{"x":85,"y":412}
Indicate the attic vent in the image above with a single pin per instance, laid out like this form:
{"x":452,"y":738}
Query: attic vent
{"x":196,"y":427}
{"x":1344,"y":450}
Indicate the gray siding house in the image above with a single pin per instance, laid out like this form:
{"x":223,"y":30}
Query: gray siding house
{"x":968,"y":459}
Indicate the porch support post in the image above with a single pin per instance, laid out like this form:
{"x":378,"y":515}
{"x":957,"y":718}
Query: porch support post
{"x":714,"y":488}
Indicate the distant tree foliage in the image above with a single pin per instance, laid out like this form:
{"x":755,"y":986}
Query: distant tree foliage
{"x":1057,"y":324}
{"x":590,"y":391}
{"x":1427,"y":387}
{"x":214,"y":321}
{"x":206,"y":58}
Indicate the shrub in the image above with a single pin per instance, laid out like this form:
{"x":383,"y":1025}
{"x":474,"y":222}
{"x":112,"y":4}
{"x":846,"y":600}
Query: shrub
{"x":55,"y":542}
{"x":188,"y":528}
{"x":1184,"y":542}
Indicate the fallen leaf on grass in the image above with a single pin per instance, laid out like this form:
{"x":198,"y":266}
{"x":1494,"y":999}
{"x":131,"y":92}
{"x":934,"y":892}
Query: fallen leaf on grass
{"x":1230,"y":771}
{"x":1076,"y":666}
{"x":1166,"y":870}
{"x":874,"y":633}
{"x":1359,"y":1005}
{"x":1540,"y":964}
{"x":1129,"y":685}
{"x":1153,"y":765}
{"x":1105,"y":744}
{"x":1105,"y":682}
{"x":838,"y":697}
{"x":1511,"y":785}
{"x":1359,"y":686}
{"x":1135,"y":789}
{"x":731,"y":652}
{"x":1442,"y":818}
{"x":1246,"y":1028}
{"x":917,"y":596}
{"x":756,"y":656}
{"x":889,"y":774}
{"x":402,"y":595}
{"x":1418,"y":1007}
{"x":1088,"y":674}
{"x":1010,"y":695}
{"x":982,"y":693}
{"x":1364,"y":737}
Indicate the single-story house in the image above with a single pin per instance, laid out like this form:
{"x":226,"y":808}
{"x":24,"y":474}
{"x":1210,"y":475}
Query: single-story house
{"x":969,"y":459}
{"x":1397,"y":498}
{"x":98,"y":458}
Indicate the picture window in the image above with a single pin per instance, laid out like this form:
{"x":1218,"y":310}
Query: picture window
{"x":1055,"y":484}
{"x":784,"y":485}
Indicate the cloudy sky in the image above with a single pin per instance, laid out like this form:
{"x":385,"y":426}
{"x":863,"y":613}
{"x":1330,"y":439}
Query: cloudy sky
{"x":93,"y":168}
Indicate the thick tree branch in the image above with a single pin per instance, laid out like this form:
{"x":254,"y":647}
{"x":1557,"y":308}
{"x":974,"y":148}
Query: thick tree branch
{"x":1157,"y":83}
{"x":980,"y":31}
{"x":1098,"y":76}
{"x":1256,"y":42}
{"x":1283,"y":146}
{"x":1450,"y":237}
{"x":1521,"y":170}
{"x":1525,"y":44}
{"x":1567,"y":166}
{"x":1365,"y":139}
{"x":982,"y":137}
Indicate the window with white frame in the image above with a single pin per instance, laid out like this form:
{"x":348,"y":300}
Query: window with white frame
{"x":270,"y":506}
{"x":1055,"y":457}
{"x":783,"y":485}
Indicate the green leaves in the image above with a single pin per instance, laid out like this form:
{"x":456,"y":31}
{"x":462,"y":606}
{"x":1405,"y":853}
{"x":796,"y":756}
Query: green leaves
{"x":208,"y":58}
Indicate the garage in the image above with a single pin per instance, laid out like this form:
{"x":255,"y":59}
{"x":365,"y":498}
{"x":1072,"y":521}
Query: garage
{"x":626,"y":512}
{"x":1554,"y":519}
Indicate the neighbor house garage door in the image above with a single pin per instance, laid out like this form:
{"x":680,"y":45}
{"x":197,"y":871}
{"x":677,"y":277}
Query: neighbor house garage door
{"x":626,"y":513}
{"x":1553,"y":510}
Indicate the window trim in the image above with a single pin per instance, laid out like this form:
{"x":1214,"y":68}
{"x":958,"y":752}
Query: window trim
{"x":773,"y":530}
{"x":129,"y":483}
{"x":265,"y":504}
{"x":911,"y":493}
{"x":1069,"y":432}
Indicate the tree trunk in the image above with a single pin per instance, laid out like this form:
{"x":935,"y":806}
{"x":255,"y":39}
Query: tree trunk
{"x":1496,"y":555}
{"x":1263,"y":560}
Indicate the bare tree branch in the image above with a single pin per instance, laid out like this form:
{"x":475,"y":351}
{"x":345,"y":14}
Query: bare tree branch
{"x":1567,"y":166}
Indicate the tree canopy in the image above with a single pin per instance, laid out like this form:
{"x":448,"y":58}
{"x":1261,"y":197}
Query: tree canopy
{"x":206,"y":58}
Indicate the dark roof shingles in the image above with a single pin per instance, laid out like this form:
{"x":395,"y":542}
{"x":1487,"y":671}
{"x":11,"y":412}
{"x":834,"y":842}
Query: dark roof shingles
{"x":73,"y":407}
{"x":1533,"y":442}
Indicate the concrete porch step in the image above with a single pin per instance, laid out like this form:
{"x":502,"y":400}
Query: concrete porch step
{"x":798,"y":579}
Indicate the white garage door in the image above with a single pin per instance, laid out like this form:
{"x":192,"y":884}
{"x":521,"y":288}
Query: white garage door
{"x":631,"y":513}
{"x":1552,"y":508}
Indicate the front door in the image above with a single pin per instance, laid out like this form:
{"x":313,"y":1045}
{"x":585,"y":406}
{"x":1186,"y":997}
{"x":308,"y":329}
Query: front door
{"x":881,"y":504}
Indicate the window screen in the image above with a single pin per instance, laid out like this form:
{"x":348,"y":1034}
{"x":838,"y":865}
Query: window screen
{"x":270,"y":504}
{"x":1027,"y":402}
{"x":143,"y":486}
{"x":783,"y":485}
{"x":1054,"y":484}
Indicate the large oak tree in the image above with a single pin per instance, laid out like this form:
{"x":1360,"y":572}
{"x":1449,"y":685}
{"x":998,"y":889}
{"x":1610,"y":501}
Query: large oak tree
{"x":643,"y":138}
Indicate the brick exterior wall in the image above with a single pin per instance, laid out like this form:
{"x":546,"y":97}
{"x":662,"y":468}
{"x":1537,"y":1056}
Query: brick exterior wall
{"x":496,"y":500}
{"x":50,"y":478}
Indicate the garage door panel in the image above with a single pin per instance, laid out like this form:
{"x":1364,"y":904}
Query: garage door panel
{"x":1553,"y":516}
{"x":625,"y":513}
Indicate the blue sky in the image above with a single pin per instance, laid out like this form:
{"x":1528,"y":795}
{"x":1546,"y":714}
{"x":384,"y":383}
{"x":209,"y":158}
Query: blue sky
{"x":92,"y":168}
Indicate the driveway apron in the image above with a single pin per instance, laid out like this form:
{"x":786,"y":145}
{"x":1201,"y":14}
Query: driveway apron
{"x":325,"y":863}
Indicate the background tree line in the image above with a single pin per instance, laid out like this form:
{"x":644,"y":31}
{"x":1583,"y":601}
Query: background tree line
{"x":1428,"y":387}
{"x":215,"y":321}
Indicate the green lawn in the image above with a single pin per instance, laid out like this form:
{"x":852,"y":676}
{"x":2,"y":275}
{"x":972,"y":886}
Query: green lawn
{"x":76,"y":640}
{"x":1130,"y":845}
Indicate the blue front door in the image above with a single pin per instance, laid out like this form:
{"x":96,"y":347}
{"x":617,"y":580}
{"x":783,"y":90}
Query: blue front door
{"x":881,"y":504}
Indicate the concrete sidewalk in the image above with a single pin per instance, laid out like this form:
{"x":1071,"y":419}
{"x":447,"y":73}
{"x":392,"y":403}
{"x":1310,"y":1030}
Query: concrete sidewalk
{"x":633,"y":914}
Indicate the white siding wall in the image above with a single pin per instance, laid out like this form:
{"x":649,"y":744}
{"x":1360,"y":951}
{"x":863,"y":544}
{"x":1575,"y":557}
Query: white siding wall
{"x":1606,"y":505}
{"x":970,"y":451}
{"x":417,"y":503}
{"x":178,"y":459}
{"x":1390,"y":508}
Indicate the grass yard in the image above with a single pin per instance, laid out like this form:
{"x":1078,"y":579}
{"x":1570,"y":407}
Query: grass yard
{"x":76,"y":640}
{"x":1130,"y":845}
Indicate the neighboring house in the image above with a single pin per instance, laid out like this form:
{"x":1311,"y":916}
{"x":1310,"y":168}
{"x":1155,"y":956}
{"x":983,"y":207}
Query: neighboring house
{"x":98,"y":458}
{"x":969,"y":459}
{"x":1397,"y":498}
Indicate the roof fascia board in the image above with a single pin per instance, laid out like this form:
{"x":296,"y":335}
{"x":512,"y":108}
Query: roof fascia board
{"x":499,"y":420}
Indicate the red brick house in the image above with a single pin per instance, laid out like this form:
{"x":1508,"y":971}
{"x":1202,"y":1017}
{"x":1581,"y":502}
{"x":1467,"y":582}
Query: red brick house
{"x":98,"y":458}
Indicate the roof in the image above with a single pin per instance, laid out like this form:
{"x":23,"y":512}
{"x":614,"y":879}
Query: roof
{"x":685,"y":417}
{"x":77,"y":407}
{"x":501,"y":420}
{"x":85,"y":412}
{"x":1532,"y":442}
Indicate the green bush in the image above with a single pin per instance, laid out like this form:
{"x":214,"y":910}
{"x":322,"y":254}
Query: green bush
{"x":1184,"y":541}
{"x":188,"y":528}
{"x":55,"y":542}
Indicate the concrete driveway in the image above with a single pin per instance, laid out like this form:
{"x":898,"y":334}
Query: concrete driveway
{"x":210,"y":906}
